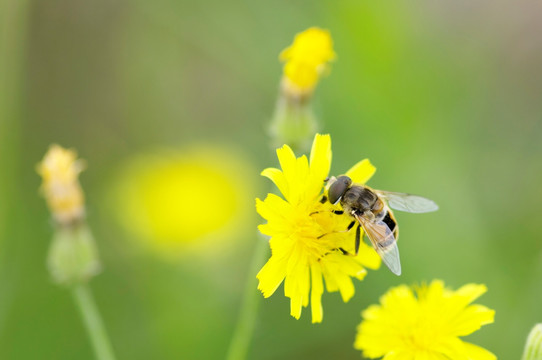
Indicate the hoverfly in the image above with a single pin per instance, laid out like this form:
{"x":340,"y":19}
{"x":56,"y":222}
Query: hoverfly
{"x":371,"y":209}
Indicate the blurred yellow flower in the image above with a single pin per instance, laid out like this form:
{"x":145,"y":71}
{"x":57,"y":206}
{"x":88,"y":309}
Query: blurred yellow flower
{"x":301,"y":256}
{"x":427,"y":326}
{"x":306,"y":60}
{"x":60,"y":171}
{"x":173,"y":200}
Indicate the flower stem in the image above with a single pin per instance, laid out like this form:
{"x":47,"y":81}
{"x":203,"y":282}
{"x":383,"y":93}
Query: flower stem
{"x":93,"y":322}
{"x":244,"y":329}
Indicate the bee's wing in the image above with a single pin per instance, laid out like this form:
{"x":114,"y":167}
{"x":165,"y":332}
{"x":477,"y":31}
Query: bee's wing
{"x":408,"y":202}
{"x":383,"y":242}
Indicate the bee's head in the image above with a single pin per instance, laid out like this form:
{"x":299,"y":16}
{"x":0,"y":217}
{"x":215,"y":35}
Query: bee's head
{"x":337,"y":188}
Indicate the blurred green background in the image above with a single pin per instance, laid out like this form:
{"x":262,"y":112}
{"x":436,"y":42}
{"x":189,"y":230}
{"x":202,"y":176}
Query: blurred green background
{"x":443,"y":97}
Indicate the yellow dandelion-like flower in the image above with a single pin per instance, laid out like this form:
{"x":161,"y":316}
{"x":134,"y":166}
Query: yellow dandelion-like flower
{"x":182,"y":200}
{"x":60,"y":171}
{"x":424,"y":326}
{"x":306,"y":60}
{"x":306,"y":235}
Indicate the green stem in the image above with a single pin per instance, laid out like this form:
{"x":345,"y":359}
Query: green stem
{"x":93,"y":322}
{"x":244,"y":329}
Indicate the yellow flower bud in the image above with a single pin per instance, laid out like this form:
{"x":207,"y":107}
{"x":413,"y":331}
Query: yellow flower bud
{"x":306,"y":60}
{"x":60,"y":170}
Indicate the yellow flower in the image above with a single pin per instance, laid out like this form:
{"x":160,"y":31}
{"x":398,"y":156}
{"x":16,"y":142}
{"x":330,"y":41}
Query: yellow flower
{"x":180,"y":200}
{"x":427,"y":326}
{"x":60,"y":170}
{"x":306,"y":235}
{"x":306,"y":60}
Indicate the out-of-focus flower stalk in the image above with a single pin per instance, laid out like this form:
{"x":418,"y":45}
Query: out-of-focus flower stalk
{"x":250,"y":302}
{"x":73,"y":257}
{"x":93,"y":322}
{"x":293,"y":123}
{"x":533,"y":347}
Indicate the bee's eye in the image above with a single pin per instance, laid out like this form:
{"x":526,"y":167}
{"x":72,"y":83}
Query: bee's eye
{"x":338,"y":188}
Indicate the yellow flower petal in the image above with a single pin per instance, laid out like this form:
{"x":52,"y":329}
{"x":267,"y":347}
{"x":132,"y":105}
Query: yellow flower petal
{"x":296,"y":284}
{"x":320,"y":163}
{"x":287,"y":162}
{"x":272,"y":275}
{"x":396,"y":356}
{"x":471,"y":292}
{"x":361,"y":172}
{"x":452,"y":348}
{"x":273,"y":207}
{"x":346,"y":287}
{"x":277,"y":177}
{"x":475,"y":352}
{"x":472,"y":319}
{"x":316,"y":294}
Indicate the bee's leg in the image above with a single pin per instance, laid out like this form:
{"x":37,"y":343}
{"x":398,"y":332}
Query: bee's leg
{"x":358,"y":238}
{"x":343,"y":251}
{"x":350,"y":226}
{"x":358,"y":235}
{"x":323,"y":199}
{"x":336,"y":212}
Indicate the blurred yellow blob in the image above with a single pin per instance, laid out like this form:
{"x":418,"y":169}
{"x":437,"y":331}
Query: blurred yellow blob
{"x":175,"y":200}
{"x":306,"y":60}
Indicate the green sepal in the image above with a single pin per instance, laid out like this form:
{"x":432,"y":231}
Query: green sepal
{"x":73,"y":256}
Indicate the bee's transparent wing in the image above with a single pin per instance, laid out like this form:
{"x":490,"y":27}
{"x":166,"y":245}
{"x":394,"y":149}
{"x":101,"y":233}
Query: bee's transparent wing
{"x":383,"y":242}
{"x":408,"y":202}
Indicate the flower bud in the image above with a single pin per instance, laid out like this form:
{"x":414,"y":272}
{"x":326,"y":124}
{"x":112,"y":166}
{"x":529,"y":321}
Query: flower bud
{"x":533,"y":347}
{"x":305,"y":61}
{"x":60,"y":170}
{"x":73,"y":256}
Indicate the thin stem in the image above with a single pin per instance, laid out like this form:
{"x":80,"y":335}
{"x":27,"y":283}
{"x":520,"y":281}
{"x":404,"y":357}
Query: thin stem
{"x":93,"y":322}
{"x":244,"y":329}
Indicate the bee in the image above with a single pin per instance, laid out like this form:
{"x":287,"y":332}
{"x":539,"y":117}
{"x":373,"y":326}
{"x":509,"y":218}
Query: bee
{"x":371,"y":211}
